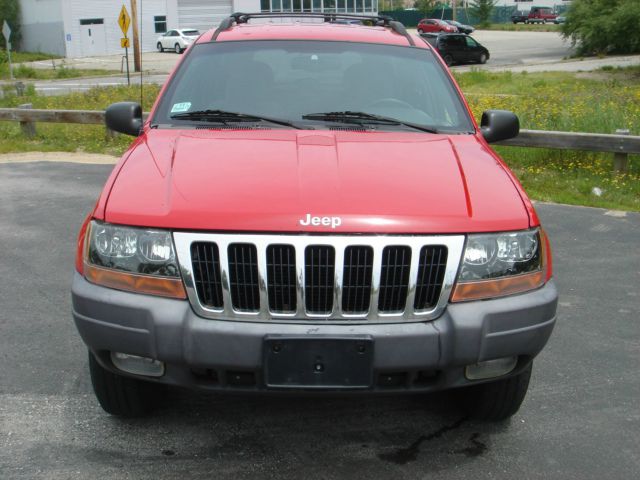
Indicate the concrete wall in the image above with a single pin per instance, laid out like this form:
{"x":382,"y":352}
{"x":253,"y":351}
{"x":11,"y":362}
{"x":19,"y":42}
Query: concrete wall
{"x":526,"y":6}
{"x":42,"y":26}
{"x":43,"y":37}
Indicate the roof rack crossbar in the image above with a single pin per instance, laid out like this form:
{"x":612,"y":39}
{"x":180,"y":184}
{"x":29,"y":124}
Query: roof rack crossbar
{"x":379,"y":20}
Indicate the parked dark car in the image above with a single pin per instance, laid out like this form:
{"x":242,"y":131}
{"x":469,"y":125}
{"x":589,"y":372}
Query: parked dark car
{"x":560,"y":19}
{"x":462,"y":28}
{"x":457,"y":48}
{"x":520,"y":17}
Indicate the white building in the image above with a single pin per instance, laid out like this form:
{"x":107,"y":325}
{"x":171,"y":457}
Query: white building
{"x":525,"y":5}
{"x":81,"y":28}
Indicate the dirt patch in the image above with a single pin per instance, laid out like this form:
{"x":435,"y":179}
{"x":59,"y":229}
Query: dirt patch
{"x":70,"y":157}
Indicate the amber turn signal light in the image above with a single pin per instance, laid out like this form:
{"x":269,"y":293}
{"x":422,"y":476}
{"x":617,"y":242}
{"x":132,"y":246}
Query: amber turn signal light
{"x":162,"y":286}
{"x":497,"y":288}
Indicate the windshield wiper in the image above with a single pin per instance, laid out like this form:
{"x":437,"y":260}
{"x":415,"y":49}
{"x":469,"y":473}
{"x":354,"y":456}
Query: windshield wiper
{"x":223,"y":116}
{"x":363,"y":118}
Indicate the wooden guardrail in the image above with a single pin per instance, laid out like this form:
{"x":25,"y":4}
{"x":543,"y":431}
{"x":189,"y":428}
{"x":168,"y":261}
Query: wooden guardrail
{"x":620,"y":144}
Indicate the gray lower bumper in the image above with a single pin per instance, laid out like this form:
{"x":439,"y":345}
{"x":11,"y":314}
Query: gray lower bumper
{"x":214,"y":354}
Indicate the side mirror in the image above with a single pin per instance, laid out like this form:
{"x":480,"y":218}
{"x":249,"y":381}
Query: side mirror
{"x":499,"y":125}
{"x":124,"y":117}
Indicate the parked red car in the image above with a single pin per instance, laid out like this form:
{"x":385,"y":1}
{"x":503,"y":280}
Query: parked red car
{"x":434,"y":25}
{"x":540,"y":15}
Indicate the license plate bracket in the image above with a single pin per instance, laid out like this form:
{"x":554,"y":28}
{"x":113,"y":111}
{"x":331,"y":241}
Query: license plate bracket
{"x":318,"y":362}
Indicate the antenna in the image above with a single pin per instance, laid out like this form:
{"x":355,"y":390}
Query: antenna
{"x":141,"y":23}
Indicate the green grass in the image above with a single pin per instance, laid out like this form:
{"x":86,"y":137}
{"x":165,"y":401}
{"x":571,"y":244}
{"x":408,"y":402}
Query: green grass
{"x":70,"y":137}
{"x":20,"y":57}
{"x":597,"y":102}
{"x":23,"y":72}
{"x":521,"y":27}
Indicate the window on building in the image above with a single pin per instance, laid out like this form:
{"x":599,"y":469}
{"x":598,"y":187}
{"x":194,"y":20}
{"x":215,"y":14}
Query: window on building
{"x":160,"y":23}
{"x":92,"y":21}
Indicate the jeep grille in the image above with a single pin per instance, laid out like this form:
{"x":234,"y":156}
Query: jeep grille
{"x":342,"y":279}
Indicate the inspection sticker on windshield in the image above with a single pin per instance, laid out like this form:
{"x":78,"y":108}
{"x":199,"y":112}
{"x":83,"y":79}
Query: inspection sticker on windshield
{"x":180,"y":107}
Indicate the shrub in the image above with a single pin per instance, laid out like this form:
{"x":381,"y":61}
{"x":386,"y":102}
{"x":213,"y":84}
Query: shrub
{"x":483,"y":9}
{"x":10,"y":11}
{"x":603,"y":26}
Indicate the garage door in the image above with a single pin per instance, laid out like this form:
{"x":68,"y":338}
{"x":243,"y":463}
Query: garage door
{"x":202,"y":14}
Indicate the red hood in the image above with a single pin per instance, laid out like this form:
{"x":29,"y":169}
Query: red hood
{"x":376,"y":182}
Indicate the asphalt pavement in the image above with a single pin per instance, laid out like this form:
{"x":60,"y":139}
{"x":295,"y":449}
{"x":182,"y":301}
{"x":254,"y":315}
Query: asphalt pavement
{"x":580,"y":419}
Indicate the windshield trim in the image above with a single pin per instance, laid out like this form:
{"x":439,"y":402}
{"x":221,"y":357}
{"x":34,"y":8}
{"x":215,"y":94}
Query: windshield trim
{"x":429,"y":50}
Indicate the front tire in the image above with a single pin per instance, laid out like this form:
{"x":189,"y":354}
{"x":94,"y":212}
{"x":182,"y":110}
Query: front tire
{"x":119,"y":395}
{"x":160,"y":47}
{"x":498,"y":400}
{"x":448,"y":59}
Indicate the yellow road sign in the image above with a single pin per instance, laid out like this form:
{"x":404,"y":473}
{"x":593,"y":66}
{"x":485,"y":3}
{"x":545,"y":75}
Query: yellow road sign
{"x":124,"y":43}
{"x":124,"y":20}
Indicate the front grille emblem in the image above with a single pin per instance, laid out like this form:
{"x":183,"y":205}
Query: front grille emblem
{"x":334,"y":222}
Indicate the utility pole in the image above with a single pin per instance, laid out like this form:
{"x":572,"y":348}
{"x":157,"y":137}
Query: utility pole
{"x":136,"y":38}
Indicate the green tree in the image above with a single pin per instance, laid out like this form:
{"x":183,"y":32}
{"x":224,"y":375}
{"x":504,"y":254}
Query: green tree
{"x":10,"y":11}
{"x":425,"y":6}
{"x":603,"y":26}
{"x":482,"y":9}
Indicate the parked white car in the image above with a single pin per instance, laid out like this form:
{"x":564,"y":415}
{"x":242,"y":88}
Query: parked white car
{"x":177,"y":40}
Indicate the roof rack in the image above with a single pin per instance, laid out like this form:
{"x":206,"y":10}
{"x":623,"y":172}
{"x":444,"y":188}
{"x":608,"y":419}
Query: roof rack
{"x":379,"y":20}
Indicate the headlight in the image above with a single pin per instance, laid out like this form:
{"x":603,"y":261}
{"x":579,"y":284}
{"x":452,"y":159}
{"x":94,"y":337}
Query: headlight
{"x":134,"y":259}
{"x":501,"y":264}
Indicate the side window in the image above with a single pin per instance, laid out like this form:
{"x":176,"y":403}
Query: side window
{"x":470,"y":42}
{"x":160,"y":23}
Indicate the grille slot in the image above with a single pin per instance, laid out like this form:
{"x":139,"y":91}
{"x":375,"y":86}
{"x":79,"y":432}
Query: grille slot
{"x":281,"y":278}
{"x":319,"y":278}
{"x":243,"y":277}
{"x":431,"y":269}
{"x":205,"y":260}
{"x":356,"y":279}
{"x":394,"y":278}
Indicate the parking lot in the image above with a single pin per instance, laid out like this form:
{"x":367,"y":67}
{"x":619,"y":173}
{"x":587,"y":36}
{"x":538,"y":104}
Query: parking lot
{"x":580,"y":419}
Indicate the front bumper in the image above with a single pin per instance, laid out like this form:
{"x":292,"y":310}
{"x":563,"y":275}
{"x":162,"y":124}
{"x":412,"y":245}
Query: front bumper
{"x":228,"y":355}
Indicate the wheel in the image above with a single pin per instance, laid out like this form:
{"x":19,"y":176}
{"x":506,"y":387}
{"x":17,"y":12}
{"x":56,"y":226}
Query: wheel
{"x":177,"y":48}
{"x":544,"y":22}
{"x":514,"y":22}
{"x":496,"y":400}
{"x":119,"y":395}
{"x":483,"y":58}
{"x":160,"y":47}
{"x":448,"y":59}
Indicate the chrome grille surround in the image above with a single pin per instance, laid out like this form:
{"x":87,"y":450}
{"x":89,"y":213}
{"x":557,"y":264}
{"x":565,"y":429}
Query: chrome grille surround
{"x":453,"y":243}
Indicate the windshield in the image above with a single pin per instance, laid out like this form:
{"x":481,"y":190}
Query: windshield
{"x":289,"y":80}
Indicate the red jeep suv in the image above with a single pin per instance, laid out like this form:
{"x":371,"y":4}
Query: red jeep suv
{"x":312,"y":209}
